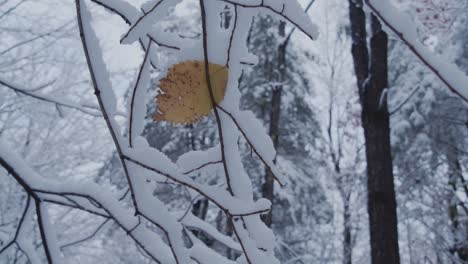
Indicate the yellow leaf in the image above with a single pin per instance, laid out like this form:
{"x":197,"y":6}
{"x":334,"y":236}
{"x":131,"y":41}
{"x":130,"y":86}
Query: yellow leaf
{"x":184,"y":96}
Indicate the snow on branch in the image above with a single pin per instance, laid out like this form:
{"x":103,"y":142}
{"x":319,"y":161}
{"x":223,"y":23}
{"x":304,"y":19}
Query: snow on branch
{"x":130,"y":15}
{"x":402,"y":25}
{"x":125,"y":10}
{"x":100,"y":202}
{"x":158,"y":11}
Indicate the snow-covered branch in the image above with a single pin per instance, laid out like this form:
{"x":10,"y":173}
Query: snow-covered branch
{"x":94,"y":199}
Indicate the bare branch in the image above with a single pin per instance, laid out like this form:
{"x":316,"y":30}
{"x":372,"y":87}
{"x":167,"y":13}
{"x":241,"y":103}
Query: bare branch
{"x":27,"y":41}
{"x":231,"y":38}
{"x":51,"y":99}
{"x":203,"y":166}
{"x":94,"y":233}
{"x":132,"y":101}
{"x":404,"y":101}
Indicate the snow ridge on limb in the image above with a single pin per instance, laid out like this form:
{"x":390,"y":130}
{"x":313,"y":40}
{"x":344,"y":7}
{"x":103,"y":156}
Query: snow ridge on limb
{"x":402,"y":25}
{"x":126,"y":11}
{"x":143,"y":24}
{"x":130,"y":15}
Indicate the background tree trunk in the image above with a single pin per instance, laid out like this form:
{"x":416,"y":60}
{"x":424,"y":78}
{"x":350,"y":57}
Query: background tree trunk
{"x":380,"y":187}
{"x":275,"y":111}
{"x":372,"y":85}
{"x":347,"y":241}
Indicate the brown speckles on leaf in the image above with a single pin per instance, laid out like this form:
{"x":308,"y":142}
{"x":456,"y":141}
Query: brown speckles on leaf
{"x":184,"y":97}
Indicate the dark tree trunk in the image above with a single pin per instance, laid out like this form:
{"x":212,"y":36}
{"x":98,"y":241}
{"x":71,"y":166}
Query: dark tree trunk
{"x":268,"y":186}
{"x":347,"y":246}
{"x":275,"y":111}
{"x":200,"y":209}
{"x":380,"y":187}
{"x":372,"y":86}
{"x":359,"y":43}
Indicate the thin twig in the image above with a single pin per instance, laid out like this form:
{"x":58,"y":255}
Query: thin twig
{"x":231,"y":38}
{"x":113,"y":10}
{"x":202,"y":166}
{"x":141,"y":18}
{"x":162,"y":44}
{"x":189,"y":207}
{"x":87,"y":237}
{"x":404,"y":101}
{"x":49,"y":99}
{"x":132,"y":101}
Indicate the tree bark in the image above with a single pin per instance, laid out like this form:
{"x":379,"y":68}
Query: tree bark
{"x":380,"y":187}
{"x":359,"y":49}
{"x":381,"y":198}
{"x":275,"y":111}
{"x":347,"y":242}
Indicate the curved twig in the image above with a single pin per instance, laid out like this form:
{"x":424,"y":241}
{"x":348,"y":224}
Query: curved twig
{"x":87,"y":237}
{"x":132,"y":101}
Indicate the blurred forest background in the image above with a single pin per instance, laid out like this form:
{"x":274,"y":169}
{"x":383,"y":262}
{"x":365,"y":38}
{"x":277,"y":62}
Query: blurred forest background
{"x":305,"y":93}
